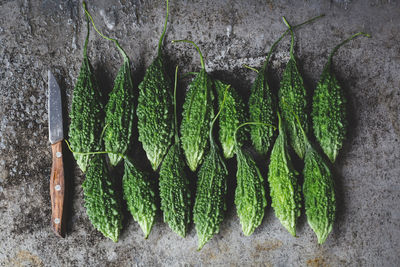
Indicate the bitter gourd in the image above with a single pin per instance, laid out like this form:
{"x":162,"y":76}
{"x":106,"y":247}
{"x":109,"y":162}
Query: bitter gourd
{"x":86,"y":112}
{"x":154,"y":110}
{"x":232,"y":115}
{"x":293,"y":91}
{"x":119,"y":109}
{"x":101,"y":200}
{"x":318,"y":190}
{"x":174,"y":185}
{"x":196,"y":116}
{"x":284,"y":187}
{"x":210,"y":204}
{"x":261,"y":109}
{"x":139,"y":195}
{"x":250,"y":198}
{"x":329,"y":109}
{"x":319,"y":194}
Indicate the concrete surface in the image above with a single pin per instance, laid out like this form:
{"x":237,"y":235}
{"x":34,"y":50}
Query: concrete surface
{"x":38,"y":35}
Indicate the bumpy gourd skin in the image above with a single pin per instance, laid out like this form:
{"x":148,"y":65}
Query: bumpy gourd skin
{"x":261,"y":109}
{"x":101,"y":200}
{"x":119,"y":115}
{"x":174,"y":191}
{"x":210,"y":203}
{"x":155,"y":112}
{"x":329,"y":114}
{"x":293,"y":99}
{"x":250,"y":198}
{"x":86,"y":115}
{"x":140,"y":197}
{"x":197,"y":115}
{"x":232,"y":115}
{"x":284,"y":187}
{"x":319,"y":195}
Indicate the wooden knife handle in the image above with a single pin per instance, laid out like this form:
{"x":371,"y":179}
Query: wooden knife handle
{"x":57,"y":190}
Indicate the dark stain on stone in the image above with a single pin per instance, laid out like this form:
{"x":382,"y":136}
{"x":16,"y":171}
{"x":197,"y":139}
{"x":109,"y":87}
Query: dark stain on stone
{"x":317,"y":262}
{"x":28,"y":222}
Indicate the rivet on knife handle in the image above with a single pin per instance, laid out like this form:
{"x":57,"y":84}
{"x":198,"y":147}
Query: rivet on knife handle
{"x":57,"y":190}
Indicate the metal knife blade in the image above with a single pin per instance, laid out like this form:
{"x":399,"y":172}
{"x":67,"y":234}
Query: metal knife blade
{"x":56,"y":132}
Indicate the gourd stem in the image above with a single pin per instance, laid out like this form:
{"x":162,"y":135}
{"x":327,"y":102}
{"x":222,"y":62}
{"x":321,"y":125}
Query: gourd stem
{"x":283,"y":35}
{"x":175,"y":117}
{"x":250,"y":123}
{"x":198,"y":50}
{"x":94,"y":152}
{"x":87,"y":36}
{"x":216,"y":116}
{"x":279,"y":122}
{"x":344,"y":42}
{"x":250,"y":68}
{"x":291,"y":35}
{"x":163,"y":32}
{"x":124,"y":55}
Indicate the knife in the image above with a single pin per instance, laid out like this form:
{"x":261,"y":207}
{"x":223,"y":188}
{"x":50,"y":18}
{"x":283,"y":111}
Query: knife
{"x":56,"y":136}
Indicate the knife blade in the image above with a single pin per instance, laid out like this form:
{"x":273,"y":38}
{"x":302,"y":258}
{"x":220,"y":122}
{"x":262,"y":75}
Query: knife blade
{"x":56,"y":136}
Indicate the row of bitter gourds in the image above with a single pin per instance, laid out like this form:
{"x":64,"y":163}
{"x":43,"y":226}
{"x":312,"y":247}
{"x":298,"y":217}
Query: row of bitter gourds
{"x":158,"y":133}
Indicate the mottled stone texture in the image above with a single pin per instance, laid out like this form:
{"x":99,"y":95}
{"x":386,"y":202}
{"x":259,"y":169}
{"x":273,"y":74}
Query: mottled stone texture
{"x":38,"y":35}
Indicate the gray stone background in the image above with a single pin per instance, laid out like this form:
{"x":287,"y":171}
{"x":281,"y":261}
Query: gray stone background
{"x":39,"y":35}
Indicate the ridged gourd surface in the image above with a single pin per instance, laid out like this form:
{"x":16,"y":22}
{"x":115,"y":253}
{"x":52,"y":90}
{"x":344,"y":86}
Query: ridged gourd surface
{"x":139,"y":196}
{"x":261,"y":109}
{"x":101,"y":200}
{"x":210,"y":204}
{"x":232,"y":115}
{"x":284,"y":187}
{"x":86,"y":115}
{"x":196,"y":117}
{"x":250,"y":198}
{"x":119,"y":115}
{"x":293,"y":99}
{"x":174,"y":191}
{"x":155,"y":112}
{"x":329,"y":114}
{"x":319,"y":195}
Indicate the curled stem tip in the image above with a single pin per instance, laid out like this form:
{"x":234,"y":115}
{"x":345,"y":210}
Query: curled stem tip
{"x":336,"y":48}
{"x":94,"y":152}
{"x":250,"y":123}
{"x":163,"y":32}
{"x":197,"y":48}
{"x":291,"y":35}
{"x":250,"y":68}
{"x":101,"y":34}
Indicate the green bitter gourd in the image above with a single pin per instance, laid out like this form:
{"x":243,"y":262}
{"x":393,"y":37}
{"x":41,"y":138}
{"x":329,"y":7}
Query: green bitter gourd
{"x":329,"y":109}
{"x":174,"y":185}
{"x":154,"y":110}
{"x":139,"y":195}
{"x":210,"y":204}
{"x":196,"y":117}
{"x":232,"y":115}
{"x":101,"y":200}
{"x":318,"y":190}
{"x":119,"y":109}
{"x":284,"y":187}
{"x":292,"y":89}
{"x":86,"y":112}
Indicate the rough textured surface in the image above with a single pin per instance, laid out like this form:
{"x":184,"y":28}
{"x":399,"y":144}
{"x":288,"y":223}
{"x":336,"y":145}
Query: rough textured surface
{"x":37,"y":35}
